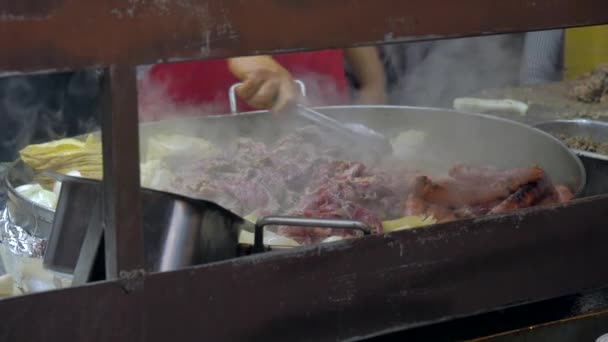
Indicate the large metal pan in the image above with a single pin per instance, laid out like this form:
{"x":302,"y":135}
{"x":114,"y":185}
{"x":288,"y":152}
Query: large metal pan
{"x":451,"y":137}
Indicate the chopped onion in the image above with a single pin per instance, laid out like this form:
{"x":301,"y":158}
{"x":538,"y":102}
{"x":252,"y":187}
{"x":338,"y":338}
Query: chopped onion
{"x":407,"y":222}
{"x":333,"y":239}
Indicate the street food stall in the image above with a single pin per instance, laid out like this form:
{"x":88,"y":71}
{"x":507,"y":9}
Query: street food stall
{"x":517,"y":253}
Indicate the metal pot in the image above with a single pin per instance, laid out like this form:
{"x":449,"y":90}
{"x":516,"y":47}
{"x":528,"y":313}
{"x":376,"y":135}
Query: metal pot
{"x":178,"y":231}
{"x":34,"y":218}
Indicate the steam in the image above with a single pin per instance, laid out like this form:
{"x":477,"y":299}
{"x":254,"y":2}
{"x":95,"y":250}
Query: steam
{"x":433,"y":73}
{"x":156,"y":105}
{"x":420,"y":74}
{"x":39,"y":108}
{"x":43,"y":107}
{"x":427,"y":74}
{"x":321,"y":90}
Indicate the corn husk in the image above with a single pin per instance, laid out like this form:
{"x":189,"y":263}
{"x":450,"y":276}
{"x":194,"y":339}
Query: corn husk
{"x":85,"y":157}
{"x":63,"y":156}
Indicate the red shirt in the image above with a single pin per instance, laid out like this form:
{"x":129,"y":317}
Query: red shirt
{"x":205,"y":84}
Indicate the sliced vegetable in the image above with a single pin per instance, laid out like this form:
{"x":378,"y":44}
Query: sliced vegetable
{"x":407,"y":223}
{"x":333,"y":239}
{"x":155,"y":175}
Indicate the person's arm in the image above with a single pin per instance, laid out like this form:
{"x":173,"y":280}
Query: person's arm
{"x":266,"y":84}
{"x":369,"y":72}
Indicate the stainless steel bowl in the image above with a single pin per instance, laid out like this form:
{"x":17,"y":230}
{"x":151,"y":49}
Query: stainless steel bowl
{"x":596,"y":165}
{"x":34,"y":218}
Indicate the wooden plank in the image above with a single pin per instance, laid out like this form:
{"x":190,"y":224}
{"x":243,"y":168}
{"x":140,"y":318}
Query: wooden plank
{"x":102,"y":312}
{"x":121,"y":197}
{"x":382,"y":283}
{"x":519,"y":319}
{"x":341,"y":291}
{"x":78,"y":33}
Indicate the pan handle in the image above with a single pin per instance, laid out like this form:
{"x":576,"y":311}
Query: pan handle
{"x":232,"y":94}
{"x":258,"y":242}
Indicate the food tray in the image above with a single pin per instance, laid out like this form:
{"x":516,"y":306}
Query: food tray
{"x":596,"y":164}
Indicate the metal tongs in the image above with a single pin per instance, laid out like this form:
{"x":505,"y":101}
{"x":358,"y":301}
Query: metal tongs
{"x":357,"y":133}
{"x":360,"y":135}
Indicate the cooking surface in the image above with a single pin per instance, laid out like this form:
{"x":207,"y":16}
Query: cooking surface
{"x":252,"y":174}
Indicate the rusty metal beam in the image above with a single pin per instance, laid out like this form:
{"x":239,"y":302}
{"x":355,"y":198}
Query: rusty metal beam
{"x":121,"y":198}
{"x":584,"y":328}
{"x":79,"y":33}
{"x":345,"y":290}
{"x":102,"y":312}
{"x":509,"y":320}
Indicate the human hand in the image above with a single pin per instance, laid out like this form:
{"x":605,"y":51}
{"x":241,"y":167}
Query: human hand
{"x":266,"y":89}
{"x":266,"y":84}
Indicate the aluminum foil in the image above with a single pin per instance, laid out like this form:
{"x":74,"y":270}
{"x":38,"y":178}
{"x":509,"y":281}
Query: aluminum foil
{"x":17,"y":240}
{"x":22,"y":255}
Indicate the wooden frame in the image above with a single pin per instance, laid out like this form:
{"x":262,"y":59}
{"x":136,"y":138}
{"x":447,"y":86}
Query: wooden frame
{"x":319,"y":293}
